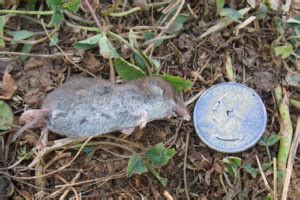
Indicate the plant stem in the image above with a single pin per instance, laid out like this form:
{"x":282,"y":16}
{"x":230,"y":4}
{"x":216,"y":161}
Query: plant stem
{"x":145,"y":60}
{"x":229,"y":68}
{"x":286,"y":132}
{"x":93,"y":14}
{"x":155,"y":173}
{"x":295,"y":103}
{"x":26,"y":12}
{"x":87,"y":28}
{"x":122,"y":14}
{"x":135,"y":9}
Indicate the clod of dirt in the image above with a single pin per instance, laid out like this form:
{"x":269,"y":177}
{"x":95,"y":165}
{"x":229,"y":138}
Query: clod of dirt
{"x":9,"y":86}
{"x":185,"y":41}
{"x":264,"y":80}
{"x":92,"y":63}
{"x":35,"y":80}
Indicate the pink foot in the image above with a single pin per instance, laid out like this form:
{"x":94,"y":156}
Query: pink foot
{"x":143,"y":120}
{"x":30,"y":115}
{"x":42,"y":142}
{"x":128,"y":131}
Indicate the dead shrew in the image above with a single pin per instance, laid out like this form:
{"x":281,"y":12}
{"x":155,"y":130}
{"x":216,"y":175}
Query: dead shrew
{"x":84,"y":107}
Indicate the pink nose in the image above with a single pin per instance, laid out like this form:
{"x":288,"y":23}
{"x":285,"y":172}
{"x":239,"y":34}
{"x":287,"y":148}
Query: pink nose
{"x":187,"y":117}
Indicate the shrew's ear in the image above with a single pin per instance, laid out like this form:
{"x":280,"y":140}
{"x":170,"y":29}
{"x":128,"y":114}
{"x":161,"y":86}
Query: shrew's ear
{"x":156,"y":89}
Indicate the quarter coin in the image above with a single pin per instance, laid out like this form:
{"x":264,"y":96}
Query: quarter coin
{"x":230,"y":117}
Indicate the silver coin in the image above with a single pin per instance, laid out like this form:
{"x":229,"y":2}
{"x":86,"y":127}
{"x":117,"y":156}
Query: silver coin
{"x":230,"y":117}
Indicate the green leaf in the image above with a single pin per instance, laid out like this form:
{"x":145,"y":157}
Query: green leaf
{"x":26,"y":49}
{"x":135,"y":165}
{"x":267,"y":166}
{"x":132,"y":38}
{"x":269,"y":141}
{"x":280,"y":24}
{"x":148,"y":35}
{"x":272,"y":140}
{"x":231,"y":14}
{"x":249,"y":169}
{"x":126,"y":70}
{"x":284,"y":51}
{"x":57,"y":18}
{"x":89,"y":151}
{"x":176,"y":27}
{"x":56,"y":6}
{"x":2,"y":43}
{"x":268,"y":197}
{"x":20,"y":35}
{"x":162,"y":180}
{"x":262,"y":11}
{"x":54,"y":40}
{"x":155,"y":63}
{"x":106,"y":48}
{"x":6,"y":116}
{"x":140,"y":62}
{"x":89,"y":43}
{"x":159,"y":155}
{"x":220,"y":4}
{"x":231,"y":165}
{"x":178,"y":83}
{"x":72,"y":5}
{"x":293,"y":79}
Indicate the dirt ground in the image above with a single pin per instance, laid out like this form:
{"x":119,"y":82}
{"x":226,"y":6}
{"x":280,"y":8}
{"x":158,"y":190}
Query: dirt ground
{"x":99,"y":169}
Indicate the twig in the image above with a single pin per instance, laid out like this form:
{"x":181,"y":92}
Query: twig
{"x":263,"y":175}
{"x":34,"y":55}
{"x":57,"y":170}
{"x":286,"y":6}
{"x":136,"y":9}
{"x":168,"y":25}
{"x":191,"y":11}
{"x":167,"y":195}
{"x":291,"y":159}
{"x":193,"y":98}
{"x":87,"y":28}
{"x":116,"y":175}
{"x":87,"y":3}
{"x":75,"y":17}
{"x":66,"y":56}
{"x":33,"y":42}
{"x":184,"y":166}
{"x":229,"y":68}
{"x":111,"y":71}
{"x":275,"y":178}
{"x":295,"y":103}
{"x":26,"y":12}
{"x":128,"y":12}
{"x":63,"y":196}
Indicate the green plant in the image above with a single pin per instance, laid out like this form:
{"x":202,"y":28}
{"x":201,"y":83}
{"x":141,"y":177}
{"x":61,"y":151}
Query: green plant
{"x":125,"y":69}
{"x":268,"y":141}
{"x":6,"y":117}
{"x":156,"y":157}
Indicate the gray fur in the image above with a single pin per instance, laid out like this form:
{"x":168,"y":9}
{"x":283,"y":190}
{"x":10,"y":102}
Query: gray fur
{"x":85,"y":107}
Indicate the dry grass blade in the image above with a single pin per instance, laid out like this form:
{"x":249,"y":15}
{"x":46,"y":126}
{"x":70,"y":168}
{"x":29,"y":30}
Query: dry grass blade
{"x":65,"y":55}
{"x":263,"y":175}
{"x":291,"y":159}
{"x":223,"y":23}
{"x":184,"y":166}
